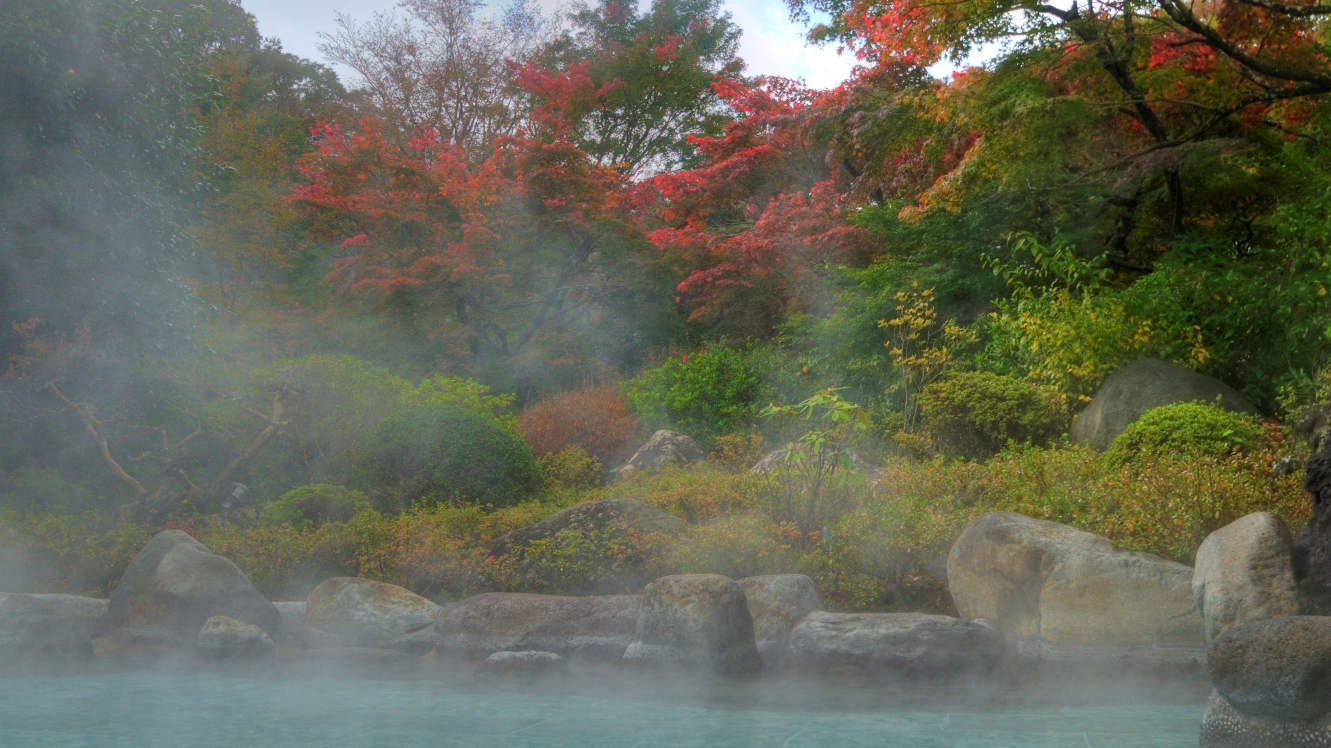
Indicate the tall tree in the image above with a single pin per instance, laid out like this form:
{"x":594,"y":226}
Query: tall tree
{"x":442,"y":67}
{"x":658,"y":69}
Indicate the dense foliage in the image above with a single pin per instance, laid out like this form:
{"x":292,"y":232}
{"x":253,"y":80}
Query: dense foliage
{"x":367,"y":330}
{"x":444,"y":453}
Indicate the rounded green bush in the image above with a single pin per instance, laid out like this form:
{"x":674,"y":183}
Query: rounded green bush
{"x":975,"y":414}
{"x":312,"y":506}
{"x":1188,"y":430}
{"x":441,"y":452}
{"x":705,"y":394}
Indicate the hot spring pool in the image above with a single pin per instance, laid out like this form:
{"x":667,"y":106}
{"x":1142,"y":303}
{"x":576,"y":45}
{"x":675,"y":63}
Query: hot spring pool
{"x":190,"y":709}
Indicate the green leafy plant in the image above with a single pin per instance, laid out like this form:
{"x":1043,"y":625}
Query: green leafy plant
{"x":704,"y":394}
{"x":312,"y":506}
{"x":975,"y":414}
{"x":445,"y":453}
{"x":813,"y":474}
{"x":570,"y":470}
{"x":1186,"y":430}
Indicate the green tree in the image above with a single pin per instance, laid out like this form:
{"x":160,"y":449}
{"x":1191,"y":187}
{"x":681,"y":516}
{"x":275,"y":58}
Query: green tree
{"x":659,"y":67}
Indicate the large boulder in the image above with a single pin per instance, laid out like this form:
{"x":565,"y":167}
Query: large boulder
{"x":695,"y":621}
{"x":777,"y":602}
{"x":1271,"y":685}
{"x":35,"y":627}
{"x":369,"y":614}
{"x":1276,"y":667}
{"x":174,"y":585}
{"x":1047,"y":582}
{"x":588,"y":530}
{"x":1140,"y":386}
{"x":1223,"y":726}
{"x":1312,"y":549}
{"x":595,"y":628}
{"x":226,"y":638}
{"x":1245,"y":572}
{"x":665,"y":448}
{"x":910,"y":645}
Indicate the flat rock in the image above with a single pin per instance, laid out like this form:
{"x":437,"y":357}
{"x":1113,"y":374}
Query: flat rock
{"x":1143,"y":385}
{"x":594,"y":627}
{"x":695,"y":621}
{"x":665,"y":448}
{"x":174,"y":585}
{"x":227,"y":638}
{"x":525,"y":664}
{"x":777,"y":602}
{"x":1245,"y":572}
{"x":90,"y":610}
{"x":1275,"y":668}
{"x":293,"y":614}
{"x":33,"y":628}
{"x":590,"y":523}
{"x":1040,"y":580}
{"x":366,"y":613}
{"x":911,"y":645}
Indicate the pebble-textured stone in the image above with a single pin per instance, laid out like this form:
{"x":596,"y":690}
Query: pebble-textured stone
{"x":1275,"y":668}
{"x":1223,"y":726}
{"x":1245,"y":572}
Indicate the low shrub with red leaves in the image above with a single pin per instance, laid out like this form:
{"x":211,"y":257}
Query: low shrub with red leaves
{"x":592,"y":418}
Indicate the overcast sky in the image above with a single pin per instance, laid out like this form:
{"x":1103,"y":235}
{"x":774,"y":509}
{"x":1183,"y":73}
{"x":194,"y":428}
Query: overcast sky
{"x":771,"y":45}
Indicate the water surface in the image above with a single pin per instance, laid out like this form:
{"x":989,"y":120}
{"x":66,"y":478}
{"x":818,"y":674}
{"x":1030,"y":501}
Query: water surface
{"x":190,"y":709}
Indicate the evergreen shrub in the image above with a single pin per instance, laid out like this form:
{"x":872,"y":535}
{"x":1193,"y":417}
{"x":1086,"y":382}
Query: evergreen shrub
{"x":1186,"y":430}
{"x":705,"y":394}
{"x":435,"y":453}
{"x":975,"y":414}
{"x":312,"y":506}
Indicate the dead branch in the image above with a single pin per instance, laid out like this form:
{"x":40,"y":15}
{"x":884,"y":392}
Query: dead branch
{"x":94,"y":429}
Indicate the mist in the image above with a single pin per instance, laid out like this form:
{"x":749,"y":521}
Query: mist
{"x":545,"y":376}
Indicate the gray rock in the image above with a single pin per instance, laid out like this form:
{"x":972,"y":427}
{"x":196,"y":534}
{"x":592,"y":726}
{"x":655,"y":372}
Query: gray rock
{"x":1245,"y":572}
{"x":777,"y":602}
{"x":666,"y":447}
{"x":1140,"y":386}
{"x":590,"y":524}
{"x":293,"y":615}
{"x":35,"y":628}
{"x":1041,"y":580}
{"x":911,"y":645}
{"x":695,"y":621}
{"x":1223,"y":726}
{"x":370,"y":614}
{"x":174,"y":585}
{"x":595,"y":627}
{"x":226,"y":638}
{"x":1275,"y":668}
{"x":526,"y":665}
{"x":91,"y":611}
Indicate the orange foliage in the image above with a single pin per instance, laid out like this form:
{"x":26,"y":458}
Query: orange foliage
{"x":592,"y":418}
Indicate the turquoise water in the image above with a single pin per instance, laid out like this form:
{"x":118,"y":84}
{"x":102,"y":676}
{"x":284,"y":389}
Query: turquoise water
{"x":183,"y":709}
